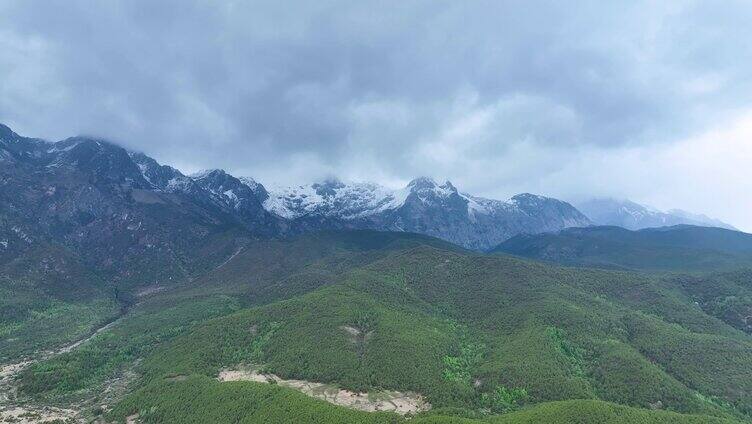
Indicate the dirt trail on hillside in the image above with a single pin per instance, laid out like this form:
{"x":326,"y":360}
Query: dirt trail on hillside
{"x":229,"y":259}
{"x":386,"y":400}
{"x":13,"y":410}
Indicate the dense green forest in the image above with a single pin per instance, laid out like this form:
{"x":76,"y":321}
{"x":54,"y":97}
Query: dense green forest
{"x":682,"y":248}
{"x":201,"y":400}
{"x":482,"y":338}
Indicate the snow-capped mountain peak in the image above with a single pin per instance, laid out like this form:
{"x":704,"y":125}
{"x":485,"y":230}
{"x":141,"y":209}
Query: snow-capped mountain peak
{"x":427,"y":189}
{"x":423,"y":206}
{"x":208,"y":173}
{"x":214,"y":196}
{"x":332,"y":198}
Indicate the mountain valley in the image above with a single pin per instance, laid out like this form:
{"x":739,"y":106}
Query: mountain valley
{"x":134,"y":293}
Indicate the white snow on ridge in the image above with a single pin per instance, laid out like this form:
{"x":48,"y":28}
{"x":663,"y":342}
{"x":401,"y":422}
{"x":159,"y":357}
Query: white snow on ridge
{"x":277,"y":206}
{"x":359,"y":200}
{"x":395,"y":199}
{"x":474,"y":205}
{"x":292,"y":202}
{"x":233,"y":198}
{"x":178,"y":184}
{"x":483,"y":206}
{"x":201,"y":174}
{"x":56,"y":149}
{"x":143,"y":168}
{"x":346,"y":201}
{"x":250,"y":182}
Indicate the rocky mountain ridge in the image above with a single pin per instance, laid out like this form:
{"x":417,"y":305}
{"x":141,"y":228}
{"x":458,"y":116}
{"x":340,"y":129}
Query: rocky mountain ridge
{"x":84,"y":191}
{"x":87,"y":201}
{"x":427,"y":207}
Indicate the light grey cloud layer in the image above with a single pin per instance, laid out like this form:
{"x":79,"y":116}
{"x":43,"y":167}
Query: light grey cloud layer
{"x":561,"y":98}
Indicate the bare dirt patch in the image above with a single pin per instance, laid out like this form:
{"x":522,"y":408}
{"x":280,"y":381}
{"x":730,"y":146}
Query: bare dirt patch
{"x":14,"y":411}
{"x":23,"y":415}
{"x":352,"y":331}
{"x":358,"y":337}
{"x":18,"y":409}
{"x":385,"y":400}
{"x":150,"y":290}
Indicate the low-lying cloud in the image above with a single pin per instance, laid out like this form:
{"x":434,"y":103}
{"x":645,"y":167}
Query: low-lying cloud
{"x":561,"y":98}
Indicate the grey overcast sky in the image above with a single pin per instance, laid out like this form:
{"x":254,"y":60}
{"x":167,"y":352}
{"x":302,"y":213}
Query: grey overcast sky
{"x":648,"y":100}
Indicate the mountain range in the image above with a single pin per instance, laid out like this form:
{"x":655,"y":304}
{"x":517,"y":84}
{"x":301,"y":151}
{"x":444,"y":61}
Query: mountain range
{"x":131,"y":292}
{"x":424,"y":207}
{"x":83,"y":187}
{"x":633,"y":216}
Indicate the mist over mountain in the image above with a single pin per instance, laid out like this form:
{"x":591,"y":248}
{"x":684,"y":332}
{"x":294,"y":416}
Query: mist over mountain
{"x":330,"y":212}
{"x":128,"y":182}
{"x":422,"y":206}
{"x":125,"y":282}
{"x":633,"y":216}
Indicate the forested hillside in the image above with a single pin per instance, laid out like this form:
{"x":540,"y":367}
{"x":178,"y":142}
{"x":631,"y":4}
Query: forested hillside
{"x":677,"y":248}
{"x":407,"y":212}
{"x":478,"y":337}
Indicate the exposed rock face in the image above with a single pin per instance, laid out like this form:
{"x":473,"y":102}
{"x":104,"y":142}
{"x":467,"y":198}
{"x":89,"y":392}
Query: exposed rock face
{"x":137,"y":222}
{"x":242,"y":197}
{"x":425,"y":207}
{"x":91,"y":200}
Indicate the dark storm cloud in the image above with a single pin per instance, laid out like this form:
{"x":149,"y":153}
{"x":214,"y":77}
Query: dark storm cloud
{"x":490,"y":93}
